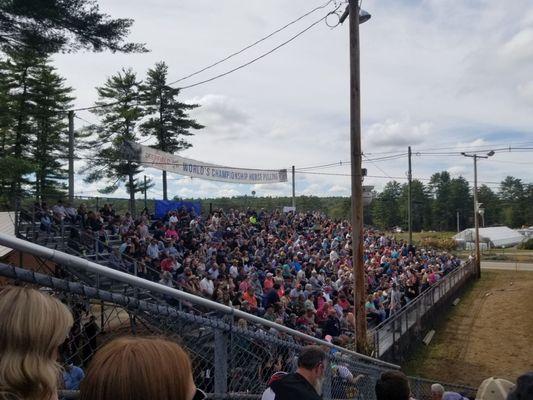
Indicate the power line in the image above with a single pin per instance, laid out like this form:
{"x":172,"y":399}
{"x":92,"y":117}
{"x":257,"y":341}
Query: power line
{"x":251,"y":45}
{"x":257,"y":58}
{"x":377,"y":166}
{"x":233,"y":69}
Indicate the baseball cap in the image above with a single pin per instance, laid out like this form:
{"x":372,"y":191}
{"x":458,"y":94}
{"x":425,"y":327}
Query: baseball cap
{"x":494,"y":389}
{"x":276,"y":377}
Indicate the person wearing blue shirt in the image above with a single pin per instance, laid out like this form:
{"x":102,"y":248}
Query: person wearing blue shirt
{"x":72,"y":377}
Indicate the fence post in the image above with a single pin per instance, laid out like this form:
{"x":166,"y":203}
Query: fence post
{"x":96,"y":246}
{"x":221,"y":362}
{"x":326,"y":387}
{"x":62,"y":228}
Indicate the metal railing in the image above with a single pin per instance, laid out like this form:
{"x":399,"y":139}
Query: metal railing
{"x":393,"y":336}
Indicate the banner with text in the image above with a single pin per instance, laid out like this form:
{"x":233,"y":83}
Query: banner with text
{"x":161,"y":160}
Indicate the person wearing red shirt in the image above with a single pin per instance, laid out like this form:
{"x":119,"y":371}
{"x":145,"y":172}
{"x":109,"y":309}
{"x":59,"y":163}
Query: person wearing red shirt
{"x":249,"y":296}
{"x":269,"y":282}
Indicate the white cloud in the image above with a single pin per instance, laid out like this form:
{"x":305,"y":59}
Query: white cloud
{"x":434,"y":74}
{"x":393,"y":133}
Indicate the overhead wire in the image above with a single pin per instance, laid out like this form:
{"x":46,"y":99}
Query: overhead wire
{"x":251,"y":45}
{"x":241,"y":66}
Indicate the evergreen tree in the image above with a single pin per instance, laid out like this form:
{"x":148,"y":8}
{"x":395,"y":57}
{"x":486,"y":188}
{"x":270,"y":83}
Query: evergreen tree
{"x":440,"y":190}
{"x":491,"y":204}
{"x":16,"y":76}
{"x":168,"y":121}
{"x":50,"y":137}
{"x":385,"y":208}
{"x":118,"y":123}
{"x":460,"y":201}
{"x":49,"y":26}
{"x":513,"y":198}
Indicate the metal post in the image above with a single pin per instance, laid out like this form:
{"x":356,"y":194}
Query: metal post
{"x":458,"y":226}
{"x":293,"y":188}
{"x":409,"y":199}
{"x":145,"y":190}
{"x":357,"y":180}
{"x":70,"y":156}
{"x":476,"y":220}
{"x":221,"y":362}
{"x":62,"y":231}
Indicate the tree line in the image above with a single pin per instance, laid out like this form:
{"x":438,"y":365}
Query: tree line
{"x":435,"y":205}
{"x":444,"y":203}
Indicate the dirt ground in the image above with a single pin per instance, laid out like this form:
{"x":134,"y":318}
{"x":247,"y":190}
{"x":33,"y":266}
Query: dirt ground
{"x":489,"y":333}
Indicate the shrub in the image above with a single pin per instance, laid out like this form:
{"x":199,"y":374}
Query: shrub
{"x":446,"y":244}
{"x":526,"y":245}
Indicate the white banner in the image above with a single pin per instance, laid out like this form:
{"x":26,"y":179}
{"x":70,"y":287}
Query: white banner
{"x":158,"y":159}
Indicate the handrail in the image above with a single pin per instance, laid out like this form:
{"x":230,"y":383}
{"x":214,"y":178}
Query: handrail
{"x":73,"y":261}
{"x":420,"y":297}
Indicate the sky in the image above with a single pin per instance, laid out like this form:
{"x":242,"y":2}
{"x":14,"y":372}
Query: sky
{"x":440,"y":76}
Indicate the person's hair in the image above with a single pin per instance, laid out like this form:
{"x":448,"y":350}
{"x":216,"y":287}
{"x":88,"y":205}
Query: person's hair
{"x":437,"y":388}
{"x":310,"y":357}
{"x":136,"y":368}
{"x":393,"y":385}
{"x":32,"y":327}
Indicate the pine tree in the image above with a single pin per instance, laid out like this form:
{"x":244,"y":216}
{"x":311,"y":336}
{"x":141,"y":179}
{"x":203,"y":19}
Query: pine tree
{"x":16,"y":74}
{"x":50,"y":138}
{"x":49,"y":26}
{"x":118,"y":123}
{"x":168,"y":121}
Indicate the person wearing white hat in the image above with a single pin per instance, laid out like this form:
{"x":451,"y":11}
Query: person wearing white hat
{"x":494,"y":389}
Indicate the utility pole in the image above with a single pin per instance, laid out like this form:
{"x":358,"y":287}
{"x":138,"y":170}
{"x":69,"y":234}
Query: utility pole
{"x":409,"y":199}
{"x":293,"y":188}
{"x":458,"y":226}
{"x":357,"y":178}
{"x":476,"y":208}
{"x":476,"y":220}
{"x":145,"y":190}
{"x":71,"y":156}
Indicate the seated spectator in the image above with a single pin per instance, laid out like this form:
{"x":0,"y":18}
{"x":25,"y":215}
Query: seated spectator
{"x":137,"y":368}
{"x":32,"y":327}
{"x":59,"y":211}
{"x":393,"y":385}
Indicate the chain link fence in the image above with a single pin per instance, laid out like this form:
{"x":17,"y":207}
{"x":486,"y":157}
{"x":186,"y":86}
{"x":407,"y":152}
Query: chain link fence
{"x":231,"y":357}
{"x":421,"y":389}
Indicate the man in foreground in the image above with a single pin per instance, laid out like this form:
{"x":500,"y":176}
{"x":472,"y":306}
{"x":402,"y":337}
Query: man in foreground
{"x":306,"y":382}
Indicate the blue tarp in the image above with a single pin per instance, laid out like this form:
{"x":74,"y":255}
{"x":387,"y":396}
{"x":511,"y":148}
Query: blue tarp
{"x":162,"y":207}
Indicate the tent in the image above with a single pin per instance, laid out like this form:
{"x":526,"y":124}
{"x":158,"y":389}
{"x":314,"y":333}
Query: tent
{"x":499,"y":236}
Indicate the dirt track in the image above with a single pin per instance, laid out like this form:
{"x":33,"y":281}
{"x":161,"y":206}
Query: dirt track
{"x":490,"y":333}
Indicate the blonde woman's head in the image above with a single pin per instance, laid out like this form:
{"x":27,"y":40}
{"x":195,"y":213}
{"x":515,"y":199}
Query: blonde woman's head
{"x":32,"y":327}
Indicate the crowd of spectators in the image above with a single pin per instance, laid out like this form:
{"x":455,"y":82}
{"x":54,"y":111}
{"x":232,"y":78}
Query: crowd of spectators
{"x":291,"y":268}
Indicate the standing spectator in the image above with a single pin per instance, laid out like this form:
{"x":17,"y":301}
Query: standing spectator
{"x":140,"y":369}
{"x":393,"y":385}
{"x":437,"y":391}
{"x":32,"y":327}
{"x":523,"y":389}
{"x":306,"y":382}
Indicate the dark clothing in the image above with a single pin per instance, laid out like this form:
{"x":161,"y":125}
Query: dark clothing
{"x":294,"y":387}
{"x":271,"y":298}
{"x":333,"y":327}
